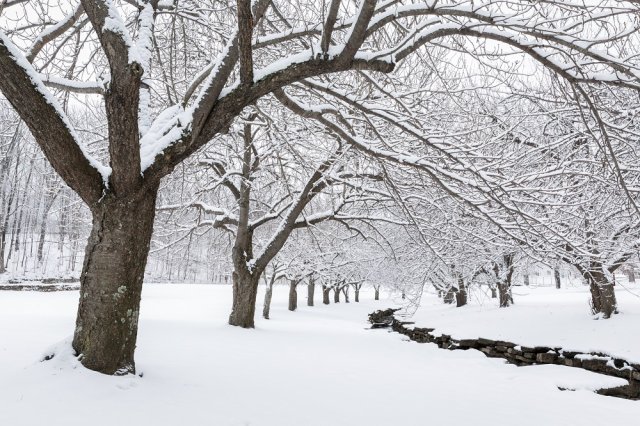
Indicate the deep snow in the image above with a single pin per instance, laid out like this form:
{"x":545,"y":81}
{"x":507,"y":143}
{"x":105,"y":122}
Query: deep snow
{"x":317,"y":366}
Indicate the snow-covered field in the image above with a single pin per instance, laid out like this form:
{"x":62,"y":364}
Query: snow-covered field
{"x":542,"y":316}
{"x":317,"y":366}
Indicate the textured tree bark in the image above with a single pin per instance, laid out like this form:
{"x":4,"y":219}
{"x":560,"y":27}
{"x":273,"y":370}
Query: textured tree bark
{"x":504,"y":294}
{"x":603,"y":296}
{"x":293,"y":295}
{"x":326,"y":292}
{"x":111,"y":283}
{"x":556,"y":277}
{"x":494,"y":293}
{"x":450,"y":296}
{"x":266,"y":308}
{"x":356,"y":295}
{"x":245,"y":292}
{"x":336,"y":295}
{"x":345,"y":290}
{"x":461,"y":295}
{"x":311,"y":289}
{"x":504,"y":283}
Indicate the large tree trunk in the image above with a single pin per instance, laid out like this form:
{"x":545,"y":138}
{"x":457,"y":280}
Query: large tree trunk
{"x":336,"y":295}
{"x":461,"y":294}
{"x":556,"y":277}
{"x":245,"y":292}
{"x":504,"y":294}
{"x":449,"y":296}
{"x":293,"y":295}
{"x":494,"y":293}
{"x":311,"y":289}
{"x":504,"y":284}
{"x":345,"y":290}
{"x":111,"y":283}
{"x":326,"y":293}
{"x":356,"y":295}
{"x":603,"y":296}
{"x":266,"y":308}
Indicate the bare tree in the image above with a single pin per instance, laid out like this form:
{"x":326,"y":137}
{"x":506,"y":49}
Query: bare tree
{"x":272,"y":44}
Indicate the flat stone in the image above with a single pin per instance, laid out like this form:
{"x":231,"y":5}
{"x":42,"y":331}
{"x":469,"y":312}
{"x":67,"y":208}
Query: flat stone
{"x":507,"y":344}
{"x":576,"y":363}
{"x":594,"y":365}
{"x":523,"y":359}
{"x":488,"y":351}
{"x":546,"y":358}
{"x":468,"y":343}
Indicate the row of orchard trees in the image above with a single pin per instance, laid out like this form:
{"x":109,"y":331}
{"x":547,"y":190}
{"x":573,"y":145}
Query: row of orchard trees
{"x":333,"y":266}
{"x":431,"y":127}
{"x":570,"y":210}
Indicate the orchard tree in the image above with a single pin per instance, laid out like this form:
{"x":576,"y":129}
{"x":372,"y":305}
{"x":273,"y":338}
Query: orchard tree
{"x":240,"y":53}
{"x":274,"y":188}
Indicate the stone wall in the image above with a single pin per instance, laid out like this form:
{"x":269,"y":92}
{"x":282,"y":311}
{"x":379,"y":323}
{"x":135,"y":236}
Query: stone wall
{"x":522,"y":355}
{"x":39,"y":287}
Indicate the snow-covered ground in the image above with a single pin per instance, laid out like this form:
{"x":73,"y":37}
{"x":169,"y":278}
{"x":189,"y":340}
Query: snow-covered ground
{"x":542,"y":316}
{"x":317,"y":366}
